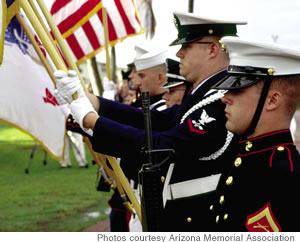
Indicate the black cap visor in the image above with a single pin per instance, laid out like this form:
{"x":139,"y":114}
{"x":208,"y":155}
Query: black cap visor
{"x":235,"y":82}
{"x":173,"y":83}
{"x":185,"y":40}
{"x":191,"y":33}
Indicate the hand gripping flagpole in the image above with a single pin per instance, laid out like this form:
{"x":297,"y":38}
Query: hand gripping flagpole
{"x":59,"y":63}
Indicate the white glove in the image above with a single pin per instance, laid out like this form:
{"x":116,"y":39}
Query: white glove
{"x":59,"y":98}
{"x":79,"y":109}
{"x":68,"y":84}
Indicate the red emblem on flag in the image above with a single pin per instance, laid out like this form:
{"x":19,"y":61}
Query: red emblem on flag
{"x":50,"y":98}
{"x":262,"y":221}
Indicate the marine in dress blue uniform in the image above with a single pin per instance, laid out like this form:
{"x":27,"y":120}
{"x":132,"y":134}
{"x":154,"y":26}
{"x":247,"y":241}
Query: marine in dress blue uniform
{"x":195,"y":130}
{"x":260,"y":192}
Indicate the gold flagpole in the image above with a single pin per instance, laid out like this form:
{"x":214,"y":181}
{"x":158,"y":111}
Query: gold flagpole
{"x":37,"y":13}
{"x":106,"y":43}
{"x":57,"y":60}
{"x":36,"y":47}
{"x":124,"y":180}
{"x":60,"y":40}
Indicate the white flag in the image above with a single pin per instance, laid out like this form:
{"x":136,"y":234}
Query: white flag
{"x":26,"y":93}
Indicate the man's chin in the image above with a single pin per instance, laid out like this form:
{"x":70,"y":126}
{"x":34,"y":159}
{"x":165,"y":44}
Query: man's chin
{"x":231,"y":127}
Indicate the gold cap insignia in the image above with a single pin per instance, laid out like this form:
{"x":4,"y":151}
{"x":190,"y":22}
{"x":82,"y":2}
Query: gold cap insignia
{"x":271,"y":72}
{"x":223,"y":46}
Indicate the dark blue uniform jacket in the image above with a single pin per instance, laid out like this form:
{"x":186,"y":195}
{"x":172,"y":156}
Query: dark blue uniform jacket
{"x":261,"y":191}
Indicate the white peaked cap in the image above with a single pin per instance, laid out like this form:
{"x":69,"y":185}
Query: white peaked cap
{"x":245,"y":53}
{"x":150,"y":59}
{"x":193,"y":18}
{"x":192,"y":27}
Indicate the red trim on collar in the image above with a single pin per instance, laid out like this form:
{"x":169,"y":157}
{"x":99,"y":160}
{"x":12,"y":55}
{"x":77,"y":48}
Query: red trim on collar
{"x":270,"y":148}
{"x":274,"y":148}
{"x":192,"y":129}
{"x":72,"y":125}
{"x":266,"y":135}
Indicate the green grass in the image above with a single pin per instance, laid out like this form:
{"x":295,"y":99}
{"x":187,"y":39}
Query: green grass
{"x":48,"y":198}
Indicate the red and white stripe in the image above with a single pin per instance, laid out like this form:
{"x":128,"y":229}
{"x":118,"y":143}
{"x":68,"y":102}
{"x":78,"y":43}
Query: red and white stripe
{"x":87,"y":38}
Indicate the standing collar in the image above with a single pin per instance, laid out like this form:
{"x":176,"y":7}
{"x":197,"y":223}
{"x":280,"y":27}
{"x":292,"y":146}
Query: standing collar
{"x":272,"y":140}
{"x":205,"y":80}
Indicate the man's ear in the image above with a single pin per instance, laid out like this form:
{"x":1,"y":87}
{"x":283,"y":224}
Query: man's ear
{"x":214,"y":49}
{"x":274,"y":100}
{"x":162,"y":78}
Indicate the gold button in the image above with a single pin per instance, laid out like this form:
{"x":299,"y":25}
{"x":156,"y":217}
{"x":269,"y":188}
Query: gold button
{"x":211,"y":207}
{"x":217,"y":219}
{"x":280,"y":148}
{"x":210,"y":31}
{"x":69,"y":120}
{"x":162,"y":179}
{"x":229,"y":180}
{"x":225,"y":216}
{"x":248,"y":146}
{"x":75,"y":96}
{"x":238,"y":162}
{"x":271,"y":71}
{"x":222,"y":200}
{"x":189,"y":219}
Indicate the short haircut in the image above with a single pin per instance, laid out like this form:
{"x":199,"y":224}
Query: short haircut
{"x":289,"y":87}
{"x":160,"y":68}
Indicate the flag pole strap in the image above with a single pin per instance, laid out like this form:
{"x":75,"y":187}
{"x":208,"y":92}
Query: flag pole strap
{"x":106,"y":43}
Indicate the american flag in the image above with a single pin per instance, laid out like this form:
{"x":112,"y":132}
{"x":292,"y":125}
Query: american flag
{"x":81,"y":24}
